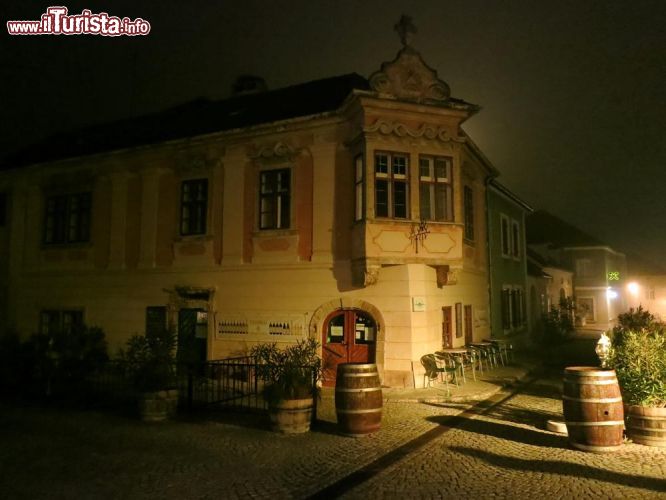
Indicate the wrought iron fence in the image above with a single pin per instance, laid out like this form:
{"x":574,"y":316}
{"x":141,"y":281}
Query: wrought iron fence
{"x":227,"y":383}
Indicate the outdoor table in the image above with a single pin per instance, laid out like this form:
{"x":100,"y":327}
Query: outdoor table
{"x":504,"y":346}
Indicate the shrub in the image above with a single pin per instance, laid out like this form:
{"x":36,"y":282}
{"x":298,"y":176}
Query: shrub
{"x":150,"y":360}
{"x":289,"y":373}
{"x":558,"y":323}
{"x":639,"y":359}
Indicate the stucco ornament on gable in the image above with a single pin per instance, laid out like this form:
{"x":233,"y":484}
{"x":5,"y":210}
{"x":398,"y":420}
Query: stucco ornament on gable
{"x":408,"y":76}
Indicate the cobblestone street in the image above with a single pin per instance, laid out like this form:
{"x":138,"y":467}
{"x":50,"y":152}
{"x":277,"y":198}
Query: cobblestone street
{"x":430,"y":449}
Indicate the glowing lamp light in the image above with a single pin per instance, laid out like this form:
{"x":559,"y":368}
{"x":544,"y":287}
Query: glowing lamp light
{"x":633,"y":288}
{"x":611,"y":294}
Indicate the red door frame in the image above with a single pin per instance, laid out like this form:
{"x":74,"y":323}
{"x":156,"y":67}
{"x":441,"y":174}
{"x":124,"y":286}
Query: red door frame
{"x":347,"y":350}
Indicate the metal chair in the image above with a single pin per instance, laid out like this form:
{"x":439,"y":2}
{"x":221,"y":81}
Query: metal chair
{"x":453,"y":360}
{"x":435,"y":369}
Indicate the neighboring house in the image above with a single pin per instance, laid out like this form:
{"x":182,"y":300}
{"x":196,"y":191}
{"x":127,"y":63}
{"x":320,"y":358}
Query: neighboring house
{"x":347,"y":209}
{"x":548,"y":285}
{"x":646,"y":286}
{"x":508,"y":262}
{"x":599,"y":270}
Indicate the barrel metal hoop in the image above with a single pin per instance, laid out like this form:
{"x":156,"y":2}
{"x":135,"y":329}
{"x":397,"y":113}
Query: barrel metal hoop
{"x":374,"y":410}
{"x":373,"y":374}
{"x":593,"y":400}
{"x":589,"y":447}
{"x":643,"y":417}
{"x":366,"y":389}
{"x":602,"y":423}
{"x":593,"y":382}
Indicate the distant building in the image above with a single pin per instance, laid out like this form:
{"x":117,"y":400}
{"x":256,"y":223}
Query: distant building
{"x":600,"y":272}
{"x":549,"y":285}
{"x":646,"y":286}
{"x":346,"y":209}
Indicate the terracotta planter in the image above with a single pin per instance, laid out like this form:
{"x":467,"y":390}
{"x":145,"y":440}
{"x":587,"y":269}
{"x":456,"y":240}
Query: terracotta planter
{"x":158,"y":406}
{"x":291,"y":416}
{"x":646,"y":425}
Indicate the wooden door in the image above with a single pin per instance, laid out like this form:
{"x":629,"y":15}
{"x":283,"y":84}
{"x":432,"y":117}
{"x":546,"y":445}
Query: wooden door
{"x":192,"y":335}
{"x":447,"y":327}
{"x":469,"y":326}
{"x":349,"y":336}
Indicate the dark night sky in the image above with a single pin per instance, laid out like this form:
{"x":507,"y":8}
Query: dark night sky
{"x":573,"y":92}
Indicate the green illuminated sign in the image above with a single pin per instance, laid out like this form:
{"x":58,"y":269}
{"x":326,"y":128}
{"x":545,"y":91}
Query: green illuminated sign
{"x":614,"y":276}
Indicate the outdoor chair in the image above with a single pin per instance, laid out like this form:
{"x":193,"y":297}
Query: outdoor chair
{"x":481,"y":356}
{"x":455,"y":361}
{"x":434,"y":370}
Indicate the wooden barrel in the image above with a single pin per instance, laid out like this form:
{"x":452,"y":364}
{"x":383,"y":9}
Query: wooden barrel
{"x":593,"y":410}
{"x":646,"y":425}
{"x":358,"y":398}
{"x":291,"y":416}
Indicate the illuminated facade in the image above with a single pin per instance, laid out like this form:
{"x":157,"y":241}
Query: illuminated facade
{"x":347,"y":209}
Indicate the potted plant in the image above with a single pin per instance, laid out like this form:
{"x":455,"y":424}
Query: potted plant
{"x":638,"y":355}
{"x":290,"y":377}
{"x":150,"y":364}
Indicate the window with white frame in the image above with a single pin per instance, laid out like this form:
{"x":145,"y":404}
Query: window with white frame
{"x":67,"y":218}
{"x":515,"y":239}
{"x":60,"y":321}
{"x":3,"y":209}
{"x":505,"y":229}
{"x":193,"y":206}
{"x":275,"y":199}
{"x":584,"y":268}
{"x":391,"y":185}
{"x":435,"y":188}
{"x":359,"y":194}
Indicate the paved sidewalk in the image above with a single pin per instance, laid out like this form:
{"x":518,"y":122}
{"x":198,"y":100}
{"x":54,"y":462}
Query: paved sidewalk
{"x":486,"y":385}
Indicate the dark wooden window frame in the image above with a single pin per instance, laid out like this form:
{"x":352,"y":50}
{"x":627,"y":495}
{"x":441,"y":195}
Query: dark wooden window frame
{"x":67,"y":218}
{"x":193,"y":206}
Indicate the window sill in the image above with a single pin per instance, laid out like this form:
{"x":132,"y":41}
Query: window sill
{"x":67,"y":246}
{"x":274,"y":233}
{"x":188,"y":238}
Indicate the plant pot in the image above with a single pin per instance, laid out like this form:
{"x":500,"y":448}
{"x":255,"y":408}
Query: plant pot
{"x":158,"y":406}
{"x":646,"y":425}
{"x":291,"y":416}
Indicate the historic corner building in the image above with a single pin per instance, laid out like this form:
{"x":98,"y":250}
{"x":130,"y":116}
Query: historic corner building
{"x":348,"y":209}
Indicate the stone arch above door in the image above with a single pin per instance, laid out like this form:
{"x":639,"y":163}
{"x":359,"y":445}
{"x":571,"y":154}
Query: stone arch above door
{"x":322,"y":312}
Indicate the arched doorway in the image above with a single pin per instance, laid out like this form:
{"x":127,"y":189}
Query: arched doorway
{"x":349,"y":336}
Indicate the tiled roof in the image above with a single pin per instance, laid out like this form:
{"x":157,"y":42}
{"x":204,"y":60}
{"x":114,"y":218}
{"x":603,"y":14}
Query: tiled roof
{"x":543,"y":227}
{"x":201,"y":116}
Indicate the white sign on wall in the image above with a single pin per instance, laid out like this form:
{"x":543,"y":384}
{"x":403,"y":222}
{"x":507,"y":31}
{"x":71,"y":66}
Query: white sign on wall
{"x":418,"y":304}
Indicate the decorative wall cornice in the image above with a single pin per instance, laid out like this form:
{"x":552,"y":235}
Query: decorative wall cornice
{"x":427,"y":131}
{"x":280,"y":151}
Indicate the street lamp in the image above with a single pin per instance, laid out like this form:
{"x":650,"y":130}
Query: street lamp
{"x":603,"y":349}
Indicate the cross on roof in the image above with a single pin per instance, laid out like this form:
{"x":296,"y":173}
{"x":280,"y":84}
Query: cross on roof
{"x":405,"y":27}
